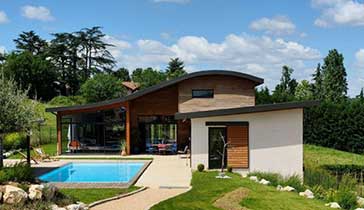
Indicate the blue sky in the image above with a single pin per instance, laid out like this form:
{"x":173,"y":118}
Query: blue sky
{"x":255,"y":37}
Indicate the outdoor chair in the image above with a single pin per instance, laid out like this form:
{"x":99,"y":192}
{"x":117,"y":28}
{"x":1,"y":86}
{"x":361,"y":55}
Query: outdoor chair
{"x":24,"y":158}
{"x":41,"y":155}
{"x":74,"y":145}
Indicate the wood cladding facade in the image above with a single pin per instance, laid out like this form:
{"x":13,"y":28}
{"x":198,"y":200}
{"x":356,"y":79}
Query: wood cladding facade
{"x":229,"y":92}
{"x":163,"y":102}
{"x":238,"y":149}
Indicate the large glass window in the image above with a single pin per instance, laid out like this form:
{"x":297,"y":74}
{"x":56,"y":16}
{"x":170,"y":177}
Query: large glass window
{"x":158,"y":133}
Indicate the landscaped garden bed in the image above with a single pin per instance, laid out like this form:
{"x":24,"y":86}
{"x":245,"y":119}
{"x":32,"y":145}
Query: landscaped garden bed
{"x":206,"y":190}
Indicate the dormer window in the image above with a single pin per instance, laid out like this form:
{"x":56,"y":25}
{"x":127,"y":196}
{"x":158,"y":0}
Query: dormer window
{"x":203,"y":93}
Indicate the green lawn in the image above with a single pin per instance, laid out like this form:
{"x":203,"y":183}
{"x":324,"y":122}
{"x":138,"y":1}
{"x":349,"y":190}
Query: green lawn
{"x":316,"y":156}
{"x":206,"y":189}
{"x":94,"y":194}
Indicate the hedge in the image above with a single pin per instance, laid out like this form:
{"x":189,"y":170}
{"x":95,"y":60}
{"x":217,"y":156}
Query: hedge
{"x":336,"y":125}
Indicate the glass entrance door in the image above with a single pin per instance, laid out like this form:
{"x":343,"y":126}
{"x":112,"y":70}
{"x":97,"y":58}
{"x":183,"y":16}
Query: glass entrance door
{"x":216,"y":146}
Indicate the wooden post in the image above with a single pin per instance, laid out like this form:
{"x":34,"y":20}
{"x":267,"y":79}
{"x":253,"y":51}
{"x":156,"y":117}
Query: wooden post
{"x":127,"y":127}
{"x":59,"y":134}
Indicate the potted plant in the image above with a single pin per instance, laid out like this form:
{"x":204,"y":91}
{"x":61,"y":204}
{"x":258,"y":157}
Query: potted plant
{"x":123,"y":148}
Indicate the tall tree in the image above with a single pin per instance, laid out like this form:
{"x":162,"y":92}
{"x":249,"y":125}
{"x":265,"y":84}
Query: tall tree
{"x":30,"y":41}
{"x":175,"y":68}
{"x":122,"y":74}
{"x":334,"y":82}
{"x":93,"y":50}
{"x":17,"y":112}
{"x":147,"y":77}
{"x":63,"y":53}
{"x":102,"y":87}
{"x":361,"y":95}
{"x":262,"y":96}
{"x":286,"y":89}
{"x":304,"y":91}
{"x":33,"y":72}
{"x":317,"y":87}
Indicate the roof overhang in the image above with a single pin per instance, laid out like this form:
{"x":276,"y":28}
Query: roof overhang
{"x":247,"y":109}
{"x":255,"y":80}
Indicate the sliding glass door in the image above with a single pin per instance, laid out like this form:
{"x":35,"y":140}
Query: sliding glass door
{"x":216,"y":146}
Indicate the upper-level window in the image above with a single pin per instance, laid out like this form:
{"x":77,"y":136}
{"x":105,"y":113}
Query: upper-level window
{"x":203,"y":93}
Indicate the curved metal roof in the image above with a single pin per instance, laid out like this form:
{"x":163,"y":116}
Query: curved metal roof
{"x":256,"y":80}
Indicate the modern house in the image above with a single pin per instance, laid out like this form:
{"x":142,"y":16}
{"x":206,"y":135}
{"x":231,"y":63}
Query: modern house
{"x":197,"y":110}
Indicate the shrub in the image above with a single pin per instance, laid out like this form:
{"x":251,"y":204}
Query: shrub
{"x":294,"y":181}
{"x":330,"y":195}
{"x":319,"y":192}
{"x":345,"y":195}
{"x":200,"y":167}
{"x":230,"y":169}
{"x":14,"y":141}
{"x":67,"y":100}
{"x":346,"y":199}
{"x":317,"y":176}
{"x":274,"y":178}
{"x":19,"y":172}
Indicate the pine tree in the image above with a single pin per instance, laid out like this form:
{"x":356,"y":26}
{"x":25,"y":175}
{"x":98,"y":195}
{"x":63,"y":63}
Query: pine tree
{"x":317,"y":86}
{"x":334,"y":81}
{"x":361,"y":95}
{"x":31,"y":42}
{"x":285,"y":90}
{"x":175,"y":68}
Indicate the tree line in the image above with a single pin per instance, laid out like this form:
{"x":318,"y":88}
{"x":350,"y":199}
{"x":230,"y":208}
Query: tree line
{"x":61,"y":66}
{"x":338,"y":122}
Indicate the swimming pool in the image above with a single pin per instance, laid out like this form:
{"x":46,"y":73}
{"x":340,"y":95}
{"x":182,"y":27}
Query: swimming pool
{"x":118,"y":172}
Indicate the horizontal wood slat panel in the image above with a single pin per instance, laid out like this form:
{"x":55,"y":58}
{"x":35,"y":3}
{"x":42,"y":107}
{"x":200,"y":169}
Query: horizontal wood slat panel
{"x":238,"y":150}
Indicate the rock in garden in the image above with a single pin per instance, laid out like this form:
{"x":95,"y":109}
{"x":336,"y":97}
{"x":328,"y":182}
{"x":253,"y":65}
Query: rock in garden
{"x":254,"y":178}
{"x":54,"y":207}
{"x":360,"y":201}
{"x":288,"y":189}
{"x":359,"y":209}
{"x":82,"y":205}
{"x":79,"y":206}
{"x":333,"y":205}
{"x":36,"y":191}
{"x":264,"y":182}
{"x":50,"y":191}
{"x":307,"y":193}
{"x":14,"y":195}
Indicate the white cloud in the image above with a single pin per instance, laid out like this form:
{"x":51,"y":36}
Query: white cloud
{"x":118,"y":46}
{"x":359,"y":58}
{"x":261,"y":56}
{"x":339,"y":12}
{"x":37,"y":13}
{"x":3,"y":17}
{"x":2,"y":49}
{"x":278,"y":25}
{"x":172,"y":1}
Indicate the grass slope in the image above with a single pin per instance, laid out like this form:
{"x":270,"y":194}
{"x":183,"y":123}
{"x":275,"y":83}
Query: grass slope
{"x":315,"y":156}
{"x":206,"y":189}
{"x":94,"y":194}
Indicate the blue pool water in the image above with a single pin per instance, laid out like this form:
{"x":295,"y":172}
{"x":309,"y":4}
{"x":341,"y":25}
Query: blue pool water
{"x":93,"y":173}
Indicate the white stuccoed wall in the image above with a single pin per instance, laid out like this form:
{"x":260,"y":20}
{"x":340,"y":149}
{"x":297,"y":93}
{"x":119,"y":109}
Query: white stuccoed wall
{"x":275,"y":140}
